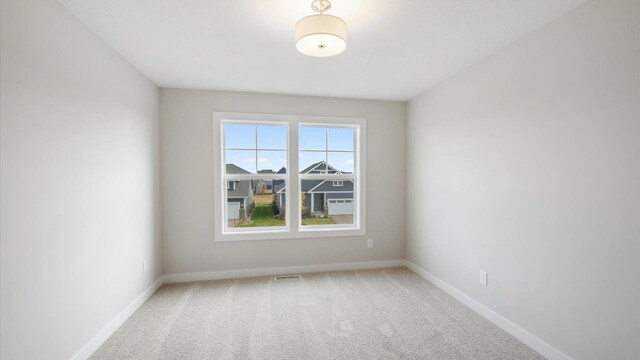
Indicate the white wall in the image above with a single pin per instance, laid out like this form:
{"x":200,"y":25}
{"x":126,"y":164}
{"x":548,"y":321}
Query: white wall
{"x":79,"y":182}
{"x":527,"y":166}
{"x":187,"y":181}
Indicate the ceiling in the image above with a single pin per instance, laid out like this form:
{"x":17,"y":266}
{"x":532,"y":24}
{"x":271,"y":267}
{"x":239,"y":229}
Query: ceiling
{"x":397,"y":49}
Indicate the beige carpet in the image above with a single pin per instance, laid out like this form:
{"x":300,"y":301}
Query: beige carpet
{"x":369,"y":314}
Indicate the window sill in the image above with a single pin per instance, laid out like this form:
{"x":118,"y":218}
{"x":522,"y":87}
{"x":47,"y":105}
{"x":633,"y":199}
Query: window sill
{"x":289,"y":235}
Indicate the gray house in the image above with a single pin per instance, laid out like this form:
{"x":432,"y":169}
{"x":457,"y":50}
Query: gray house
{"x":279,"y":191}
{"x":321,"y":197}
{"x":239,"y":195}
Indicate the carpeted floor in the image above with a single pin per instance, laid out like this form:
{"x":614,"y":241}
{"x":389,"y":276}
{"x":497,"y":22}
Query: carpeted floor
{"x":368,"y":314}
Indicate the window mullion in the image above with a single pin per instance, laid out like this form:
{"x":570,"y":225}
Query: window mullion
{"x":293,"y":188}
{"x":326,"y":150}
{"x":240,"y":177}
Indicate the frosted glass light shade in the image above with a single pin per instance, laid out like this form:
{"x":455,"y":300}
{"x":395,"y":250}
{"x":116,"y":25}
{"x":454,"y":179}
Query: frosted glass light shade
{"x":321,"y":35}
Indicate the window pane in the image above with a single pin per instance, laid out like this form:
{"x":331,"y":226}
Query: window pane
{"x":312,"y":162}
{"x":312,"y":138}
{"x":238,"y":136}
{"x":272,"y":137}
{"x":341,"y":161}
{"x":240,"y":161}
{"x":256,"y":203}
{"x":270,"y":162}
{"x":340,"y":139}
{"x":327,"y":203}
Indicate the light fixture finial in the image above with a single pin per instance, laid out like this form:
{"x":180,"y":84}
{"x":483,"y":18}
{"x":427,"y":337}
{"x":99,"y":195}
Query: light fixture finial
{"x":320,"y":6}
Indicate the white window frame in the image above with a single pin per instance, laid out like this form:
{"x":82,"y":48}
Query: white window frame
{"x":293,"y":229}
{"x":338,"y":183}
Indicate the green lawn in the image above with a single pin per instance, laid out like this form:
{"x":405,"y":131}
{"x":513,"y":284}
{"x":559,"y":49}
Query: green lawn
{"x":263,"y":216}
{"x":318,"y":221}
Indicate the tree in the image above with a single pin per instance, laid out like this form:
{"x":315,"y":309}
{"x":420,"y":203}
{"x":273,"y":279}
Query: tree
{"x":303,"y":208}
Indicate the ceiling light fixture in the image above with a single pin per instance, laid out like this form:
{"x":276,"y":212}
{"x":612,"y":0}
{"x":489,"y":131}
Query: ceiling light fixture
{"x":321,"y":35}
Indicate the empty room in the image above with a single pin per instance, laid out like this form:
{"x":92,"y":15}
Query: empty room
{"x":320,"y":179}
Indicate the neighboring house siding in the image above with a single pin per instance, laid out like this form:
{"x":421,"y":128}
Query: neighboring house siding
{"x":339,"y":196}
{"x":281,"y":198}
{"x":242,"y":189}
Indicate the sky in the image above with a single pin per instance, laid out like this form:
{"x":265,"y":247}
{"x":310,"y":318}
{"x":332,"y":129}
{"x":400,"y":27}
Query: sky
{"x":315,"y":144}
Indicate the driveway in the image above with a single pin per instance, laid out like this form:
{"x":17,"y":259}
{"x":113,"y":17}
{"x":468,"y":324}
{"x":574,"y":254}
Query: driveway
{"x":342,"y":219}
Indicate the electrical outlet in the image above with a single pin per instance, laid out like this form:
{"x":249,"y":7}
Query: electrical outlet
{"x":484,"y":278}
{"x":144,"y":266}
{"x":370,"y":243}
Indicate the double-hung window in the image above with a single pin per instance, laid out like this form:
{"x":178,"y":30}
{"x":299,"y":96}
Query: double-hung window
{"x":285,"y":176}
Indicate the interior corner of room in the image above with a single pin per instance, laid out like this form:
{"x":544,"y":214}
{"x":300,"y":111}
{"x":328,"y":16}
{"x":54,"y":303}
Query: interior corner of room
{"x":434,"y":179}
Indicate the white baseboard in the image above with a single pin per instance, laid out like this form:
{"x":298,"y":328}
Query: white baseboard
{"x":232,"y":274}
{"x":521,"y":334}
{"x":516,"y":331}
{"x":114,"y":324}
{"x":108,"y":330}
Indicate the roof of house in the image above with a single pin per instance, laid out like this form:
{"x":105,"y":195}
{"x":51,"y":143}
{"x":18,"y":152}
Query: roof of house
{"x":309,"y":184}
{"x":320,"y":165}
{"x":327,"y":186}
{"x":235,"y":169}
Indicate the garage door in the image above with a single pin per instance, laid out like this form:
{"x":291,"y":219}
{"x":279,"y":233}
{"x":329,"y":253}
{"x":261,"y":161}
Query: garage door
{"x":341,"y":207}
{"x":233,"y":211}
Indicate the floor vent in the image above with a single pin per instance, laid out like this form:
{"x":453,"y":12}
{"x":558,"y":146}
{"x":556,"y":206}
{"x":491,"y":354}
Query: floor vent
{"x":286,"y":277}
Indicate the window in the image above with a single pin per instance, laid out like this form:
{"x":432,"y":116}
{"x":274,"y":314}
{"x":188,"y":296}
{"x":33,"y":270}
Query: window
{"x":327,"y":155}
{"x":251,"y":153}
{"x":288,"y":176}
